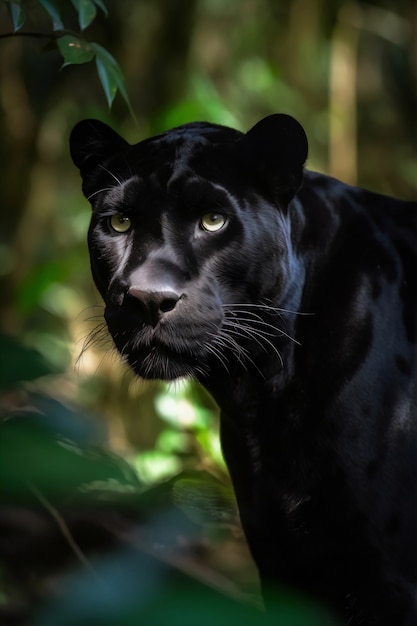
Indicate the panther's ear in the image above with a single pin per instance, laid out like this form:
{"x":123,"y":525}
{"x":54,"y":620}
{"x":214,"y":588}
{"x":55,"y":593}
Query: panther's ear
{"x":276,"y":148}
{"x":91,"y":142}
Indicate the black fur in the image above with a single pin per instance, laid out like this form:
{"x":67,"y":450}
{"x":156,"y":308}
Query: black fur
{"x":299,"y":315}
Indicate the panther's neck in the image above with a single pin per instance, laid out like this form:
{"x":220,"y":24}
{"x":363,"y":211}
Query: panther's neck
{"x":248,"y":386}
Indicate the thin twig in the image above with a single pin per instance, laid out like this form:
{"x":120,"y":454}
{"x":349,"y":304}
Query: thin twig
{"x":66,"y":533}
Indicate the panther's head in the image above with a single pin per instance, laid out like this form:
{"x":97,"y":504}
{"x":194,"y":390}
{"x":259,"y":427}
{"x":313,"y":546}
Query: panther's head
{"x":190,"y":241}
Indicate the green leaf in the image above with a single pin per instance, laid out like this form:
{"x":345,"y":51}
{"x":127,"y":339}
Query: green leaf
{"x":17,"y":14}
{"x":29,"y":448}
{"x":52,"y":8}
{"x":111,"y":76}
{"x":109,"y":72}
{"x":108,"y":80}
{"x":86,"y":10}
{"x":19,"y":363}
{"x":75,"y":50}
{"x":102,"y":6}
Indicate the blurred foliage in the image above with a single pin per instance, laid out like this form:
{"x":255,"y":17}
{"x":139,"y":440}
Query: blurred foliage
{"x":83,"y":540}
{"x":88,"y":531}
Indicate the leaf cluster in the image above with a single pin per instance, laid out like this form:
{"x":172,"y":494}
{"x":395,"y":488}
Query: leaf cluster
{"x":74,"y":47}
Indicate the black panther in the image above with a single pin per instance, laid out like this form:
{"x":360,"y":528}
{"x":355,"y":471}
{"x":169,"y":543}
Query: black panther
{"x":291,"y":297}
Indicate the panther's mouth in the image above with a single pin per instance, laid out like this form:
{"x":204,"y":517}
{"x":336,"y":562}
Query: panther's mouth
{"x":153,"y":357}
{"x":159,"y":362}
{"x":176,"y":347}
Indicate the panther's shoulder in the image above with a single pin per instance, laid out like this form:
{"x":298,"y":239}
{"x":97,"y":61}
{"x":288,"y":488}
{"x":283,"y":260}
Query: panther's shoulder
{"x":326,"y":199}
{"x":325,"y":186}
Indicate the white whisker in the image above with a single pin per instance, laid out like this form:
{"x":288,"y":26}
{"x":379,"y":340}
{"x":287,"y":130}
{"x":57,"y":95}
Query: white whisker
{"x":256,"y":336}
{"x":119,"y":182}
{"x":259,"y":321}
{"x":241,"y":353}
{"x":217,"y":353}
{"x":99,"y":191}
{"x":264,"y":307}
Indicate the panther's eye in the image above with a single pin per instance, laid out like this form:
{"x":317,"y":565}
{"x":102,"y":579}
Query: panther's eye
{"x":213,"y":221}
{"x":120,"y":223}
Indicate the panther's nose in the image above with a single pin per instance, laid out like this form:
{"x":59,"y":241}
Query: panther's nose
{"x":153,"y":304}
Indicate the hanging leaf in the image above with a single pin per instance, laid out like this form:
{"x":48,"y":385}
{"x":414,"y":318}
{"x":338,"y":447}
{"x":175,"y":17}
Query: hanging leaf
{"x":52,"y":8}
{"x":75,"y":50}
{"x":86,"y":10}
{"x":17,"y":14}
{"x":102,"y":6}
{"x":107,"y":79}
{"x":111,"y":76}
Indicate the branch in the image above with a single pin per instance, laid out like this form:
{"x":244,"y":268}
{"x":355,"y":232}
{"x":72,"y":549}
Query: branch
{"x":56,"y":34}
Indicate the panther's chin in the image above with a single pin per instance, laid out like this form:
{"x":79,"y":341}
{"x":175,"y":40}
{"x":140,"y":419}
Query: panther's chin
{"x":158,"y":364}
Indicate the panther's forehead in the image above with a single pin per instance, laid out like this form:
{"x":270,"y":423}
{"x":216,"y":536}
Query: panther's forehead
{"x":184,"y":153}
{"x":200,"y":132}
{"x":188,"y":140}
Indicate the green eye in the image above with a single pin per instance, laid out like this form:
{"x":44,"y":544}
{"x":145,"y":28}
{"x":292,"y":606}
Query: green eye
{"x":120,"y":223}
{"x":212,"y":222}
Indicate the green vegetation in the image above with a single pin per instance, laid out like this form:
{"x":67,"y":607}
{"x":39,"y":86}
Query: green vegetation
{"x":115,"y":505}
